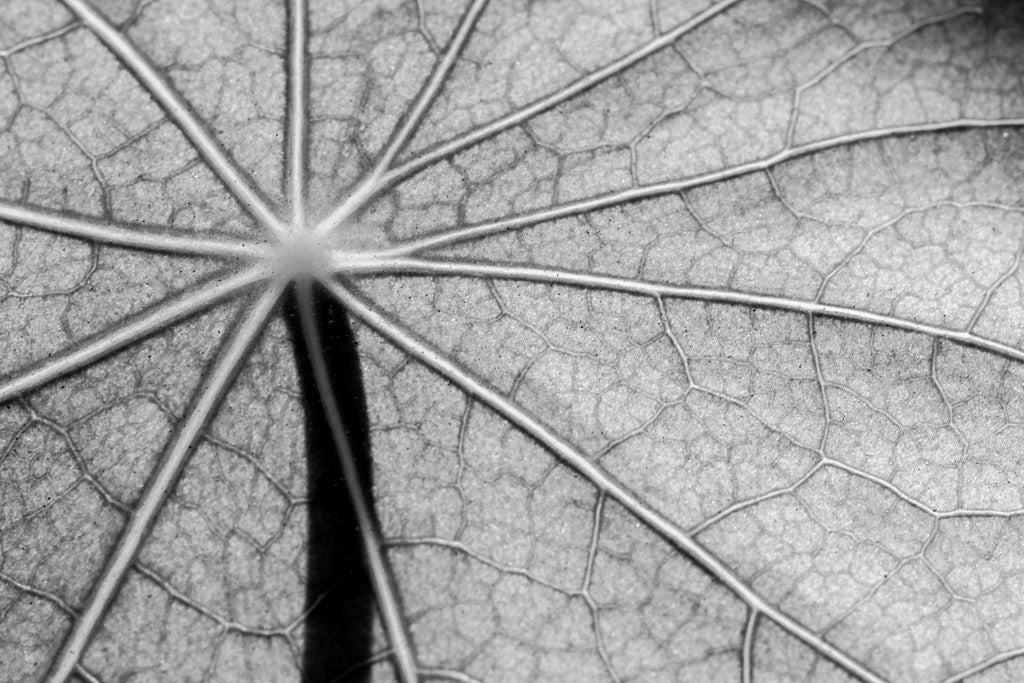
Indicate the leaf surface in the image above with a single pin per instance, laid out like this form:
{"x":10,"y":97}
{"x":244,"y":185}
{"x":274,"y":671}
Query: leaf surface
{"x":690,"y":336}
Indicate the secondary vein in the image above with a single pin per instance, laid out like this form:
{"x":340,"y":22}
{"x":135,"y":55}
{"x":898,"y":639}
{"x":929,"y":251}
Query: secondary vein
{"x":582,"y":206}
{"x":554,"y":276}
{"x":161,"y":90}
{"x":545,"y":103}
{"x":161,"y":483}
{"x":518,"y":416}
{"x":371,"y":184}
{"x":298,"y":109}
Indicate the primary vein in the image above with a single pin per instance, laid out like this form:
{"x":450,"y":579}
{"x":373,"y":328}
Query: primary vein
{"x":554,"y":276}
{"x":179,"y":112}
{"x":611,"y":199}
{"x":372,"y":183}
{"x":123,"y":235}
{"x":543,"y":104}
{"x":298,"y":110}
{"x":161,"y":483}
{"x":134,"y":328}
{"x":518,"y":416}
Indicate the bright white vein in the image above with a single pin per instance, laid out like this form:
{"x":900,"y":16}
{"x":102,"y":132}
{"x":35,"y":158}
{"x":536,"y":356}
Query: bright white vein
{"x":126,"y":332}
{"x":611,"y":283}
{"x":371,"y":184}
{"x":298,"y":108}
{"x":181,"y":114}
{"x":132,"y":237}
{"x":518,"y":416}
{"x":398,"y":260}
{"x":582,"y":206}
{"x":161,"y":482}
{"x":543,"y":104}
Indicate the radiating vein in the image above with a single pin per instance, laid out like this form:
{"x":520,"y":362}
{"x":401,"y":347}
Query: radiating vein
{"x":554,"y":276}
{"x":125,"y":332}
{"x":387,"y":596}
{"x":412,"y":120}
{"x":86,"y":675}
{"x":747,"y":659}
{"x":449,"y":675}
{"x":987,"y":664}
{"x":161,"y":90}
{"x":433,"y":86}
{"x":132,"y":237}
{"x":582,"y":206}
{"x":545,"y":103}
{"x":518,"y":416}
{"x":158,"y":488}
{"x":298,"y":109}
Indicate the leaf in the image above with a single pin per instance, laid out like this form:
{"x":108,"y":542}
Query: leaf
{"x":689,"y":334}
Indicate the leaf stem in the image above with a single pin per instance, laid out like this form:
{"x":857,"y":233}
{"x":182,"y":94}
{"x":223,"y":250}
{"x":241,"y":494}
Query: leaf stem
{"x":161,"y":483}
{"x":387,"y":596}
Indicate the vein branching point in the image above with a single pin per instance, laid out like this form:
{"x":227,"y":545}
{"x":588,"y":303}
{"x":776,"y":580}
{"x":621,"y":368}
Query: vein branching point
{"x":298,"y":241}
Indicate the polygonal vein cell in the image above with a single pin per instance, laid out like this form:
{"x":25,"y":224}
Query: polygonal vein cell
{"x":478,"y":388}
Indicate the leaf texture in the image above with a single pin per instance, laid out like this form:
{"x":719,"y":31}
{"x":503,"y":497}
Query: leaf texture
{"x":691,"y":336}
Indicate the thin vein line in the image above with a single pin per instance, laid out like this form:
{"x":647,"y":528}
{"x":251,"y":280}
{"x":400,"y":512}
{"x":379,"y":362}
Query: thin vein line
{"x":866,"y":46}
{"x":545,"y":103}
{"x":449,"y":675}
{"x":747,"y":661}
{"x":480,"y":389}
{"x":179,"y":112}
{"x":181,"y":597}
{"x":365,"y":664}
{"x":86,"y":675}
{"x":997,"y":285}
{"x":582,"y":206}
{"x":401,"y":137}
{"x":298,"y":109}
{"x":125,"y":332}
{"x":433,"y":86}
{"x":586,"y":586}
{"x":387,"y":596}
{"x":987,"y":664}
{"x":459,"y":547}
{"x":39,"y":40}
{"x":407,"y":266}
{"x":123,"y":235}
{"x":160,"y":484}
{"x":54,"y":600}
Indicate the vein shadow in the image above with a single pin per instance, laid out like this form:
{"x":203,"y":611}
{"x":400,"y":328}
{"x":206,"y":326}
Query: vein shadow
{"x":339,"y":592}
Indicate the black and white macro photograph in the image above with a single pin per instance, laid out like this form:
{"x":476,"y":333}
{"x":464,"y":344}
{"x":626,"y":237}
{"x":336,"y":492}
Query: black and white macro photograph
{"x":585,"y":341}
